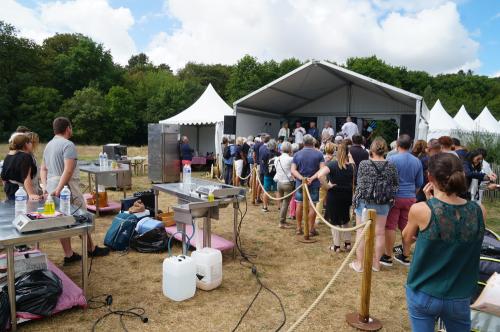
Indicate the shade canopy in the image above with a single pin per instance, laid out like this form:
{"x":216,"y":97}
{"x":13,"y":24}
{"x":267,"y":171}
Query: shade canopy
{"x":487,"y":121}
{"x":464,"y":120}
{"x":441,"y":123}
{"x":324,"y":90}
{"x":210,"y":108}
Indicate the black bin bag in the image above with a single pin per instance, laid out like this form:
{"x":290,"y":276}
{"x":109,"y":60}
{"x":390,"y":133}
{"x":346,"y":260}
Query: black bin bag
{"x":155,"y":240}
{"x":37,"y":292}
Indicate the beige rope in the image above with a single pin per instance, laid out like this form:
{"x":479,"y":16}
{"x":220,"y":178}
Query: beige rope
{"x":274,"y":198}
{"x":330,"y":283}
{"x":246,"y":177}
{"x":326,"y":221}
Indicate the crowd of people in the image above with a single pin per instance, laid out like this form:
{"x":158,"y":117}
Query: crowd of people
{"x":57,"y":169}
{"x":430,"y":191}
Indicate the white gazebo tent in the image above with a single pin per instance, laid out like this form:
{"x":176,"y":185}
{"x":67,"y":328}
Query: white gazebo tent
{"x":203,"y":122}
{"x":328,"y":92}
{"x":440,"y":123}
{"x":487,"y":122}
{"x":464,"y":120}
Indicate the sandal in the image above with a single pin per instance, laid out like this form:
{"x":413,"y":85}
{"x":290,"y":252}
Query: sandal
{"x":299,"y":232}
{"x":335,"y":248}
{"x":313,"y":232}
{"x":285,"y":225}
{"x":347,"y":246}
{"x":353,"y":266}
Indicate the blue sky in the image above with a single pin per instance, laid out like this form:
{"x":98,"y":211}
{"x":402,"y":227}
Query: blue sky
{"x":433,"y":35}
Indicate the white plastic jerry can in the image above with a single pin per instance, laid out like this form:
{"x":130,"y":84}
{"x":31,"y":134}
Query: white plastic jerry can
{"x":208,"y":268}
{"x":179,"y":278}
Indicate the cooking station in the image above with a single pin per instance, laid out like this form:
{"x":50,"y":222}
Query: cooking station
{"x":194,"y":203}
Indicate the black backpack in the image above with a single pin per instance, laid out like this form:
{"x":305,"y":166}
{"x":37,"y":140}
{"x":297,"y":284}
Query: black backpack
{"x":382,"y":191}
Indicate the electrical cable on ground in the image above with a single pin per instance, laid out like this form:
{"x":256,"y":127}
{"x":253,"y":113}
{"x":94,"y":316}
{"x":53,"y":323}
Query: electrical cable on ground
{"x":246,"y":258}
{"x":330,"y":283}
{"x":137,"y":312}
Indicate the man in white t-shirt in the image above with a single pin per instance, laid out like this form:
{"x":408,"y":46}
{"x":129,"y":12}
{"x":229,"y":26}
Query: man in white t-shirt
{"x":350,"y":128}
{"x":327,"y":133}
{"x":299,"y":133}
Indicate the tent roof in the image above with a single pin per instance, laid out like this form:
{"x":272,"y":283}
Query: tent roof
{"x":210,"y":108}
{"x":487,"y":121}
{"x":312,"y":81}
{"x":464,"y":120}
{"x":440,"y":119}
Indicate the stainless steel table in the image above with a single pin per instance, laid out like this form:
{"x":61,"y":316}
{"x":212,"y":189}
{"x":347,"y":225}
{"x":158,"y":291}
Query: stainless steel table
{"x":10,"y":237}
{"x":96,"y":170}
{"x":198,"y":205}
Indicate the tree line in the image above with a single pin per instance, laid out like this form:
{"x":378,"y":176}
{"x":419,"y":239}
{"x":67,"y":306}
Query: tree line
{"x":72,"y":75}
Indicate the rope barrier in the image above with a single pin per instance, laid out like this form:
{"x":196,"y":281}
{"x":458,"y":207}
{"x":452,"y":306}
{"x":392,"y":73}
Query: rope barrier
{"x":274,"y":198}
{"x":246,"y":177}
{"x":326,"y":221}
{"x":330,"y":283}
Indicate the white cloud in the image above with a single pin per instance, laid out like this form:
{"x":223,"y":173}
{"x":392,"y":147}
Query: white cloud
{"x":94,"y":18}
{"x":497,"y":74}
{"x":426,"y":35}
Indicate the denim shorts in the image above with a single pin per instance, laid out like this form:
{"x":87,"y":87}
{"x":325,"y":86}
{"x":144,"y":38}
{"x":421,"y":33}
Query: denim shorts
{"x":382,"y":209}
{"x":314,"y":192}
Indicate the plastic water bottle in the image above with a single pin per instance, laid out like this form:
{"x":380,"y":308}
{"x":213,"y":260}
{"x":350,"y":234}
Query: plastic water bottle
{"x":65,"y":201}
{"x":105,"y":160}
{"x":21,"y":204}
{"x":101,"y":163}
{"x":49,"y":206}
{"x":186,"y":177}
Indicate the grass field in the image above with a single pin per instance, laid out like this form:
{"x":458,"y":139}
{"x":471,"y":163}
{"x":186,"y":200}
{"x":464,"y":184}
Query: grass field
{"x":296,"y":272}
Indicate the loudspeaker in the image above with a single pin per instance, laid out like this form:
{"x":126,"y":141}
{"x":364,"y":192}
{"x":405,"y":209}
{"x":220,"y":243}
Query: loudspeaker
{"x":407,"y":125}
{"x":229,"y":125}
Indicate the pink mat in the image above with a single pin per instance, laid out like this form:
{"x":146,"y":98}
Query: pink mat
{"x":112,"y":205}
{"x":217,"y":241}
{"x":72,"y":295}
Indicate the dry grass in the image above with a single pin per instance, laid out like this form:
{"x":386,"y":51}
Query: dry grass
{"x":296,"y":271}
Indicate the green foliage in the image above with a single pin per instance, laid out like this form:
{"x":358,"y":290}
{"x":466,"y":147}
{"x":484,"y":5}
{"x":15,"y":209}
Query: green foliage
{"x":73,"y":75}
{"x":387,"y":129}
{"x":38,"y":108}
{"x":87,"y":111}
{"x":76,"y":61}
{"x":489,"y":142}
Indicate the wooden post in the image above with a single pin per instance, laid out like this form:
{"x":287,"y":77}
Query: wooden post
{"x":362,"y":320}
{"x":305,"y":209}
{"x":254,"y":184}
{"x":305,"y":214}
{"x":234,"y":174}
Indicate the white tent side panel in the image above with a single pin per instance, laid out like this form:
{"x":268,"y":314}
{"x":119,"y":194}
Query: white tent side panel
{"x":252,"y":124}
{"x":205,"y":138}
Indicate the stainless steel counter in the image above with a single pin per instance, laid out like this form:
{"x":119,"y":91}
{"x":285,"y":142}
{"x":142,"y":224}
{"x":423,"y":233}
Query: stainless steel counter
{"x":10,"y":237}
{"x":193,"y":203}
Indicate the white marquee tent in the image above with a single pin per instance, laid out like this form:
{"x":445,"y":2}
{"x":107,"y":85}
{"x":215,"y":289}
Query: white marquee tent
{"x":325,"y":91}
{"x":441,"y":123}
{"x":464,"y":120}
{"x":487,"y":121}
{"x":203,"y":122}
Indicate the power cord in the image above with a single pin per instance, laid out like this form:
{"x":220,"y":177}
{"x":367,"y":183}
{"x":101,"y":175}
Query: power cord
{"x":251,"y":265}
{"x":105,"y":301}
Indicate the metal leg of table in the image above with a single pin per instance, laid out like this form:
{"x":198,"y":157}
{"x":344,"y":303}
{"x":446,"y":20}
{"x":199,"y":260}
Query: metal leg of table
{"x":85,"y":262}
{"x":207,"y":233}
{"x":184,"y":244}
{"x":96,"y":196}
{"x":156,"y":202}
{"x":12,"y":290}
{"x":235,"y":227}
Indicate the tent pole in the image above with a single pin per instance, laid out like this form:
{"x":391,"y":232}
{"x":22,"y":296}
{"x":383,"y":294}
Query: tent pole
{"x":198,"y":139}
